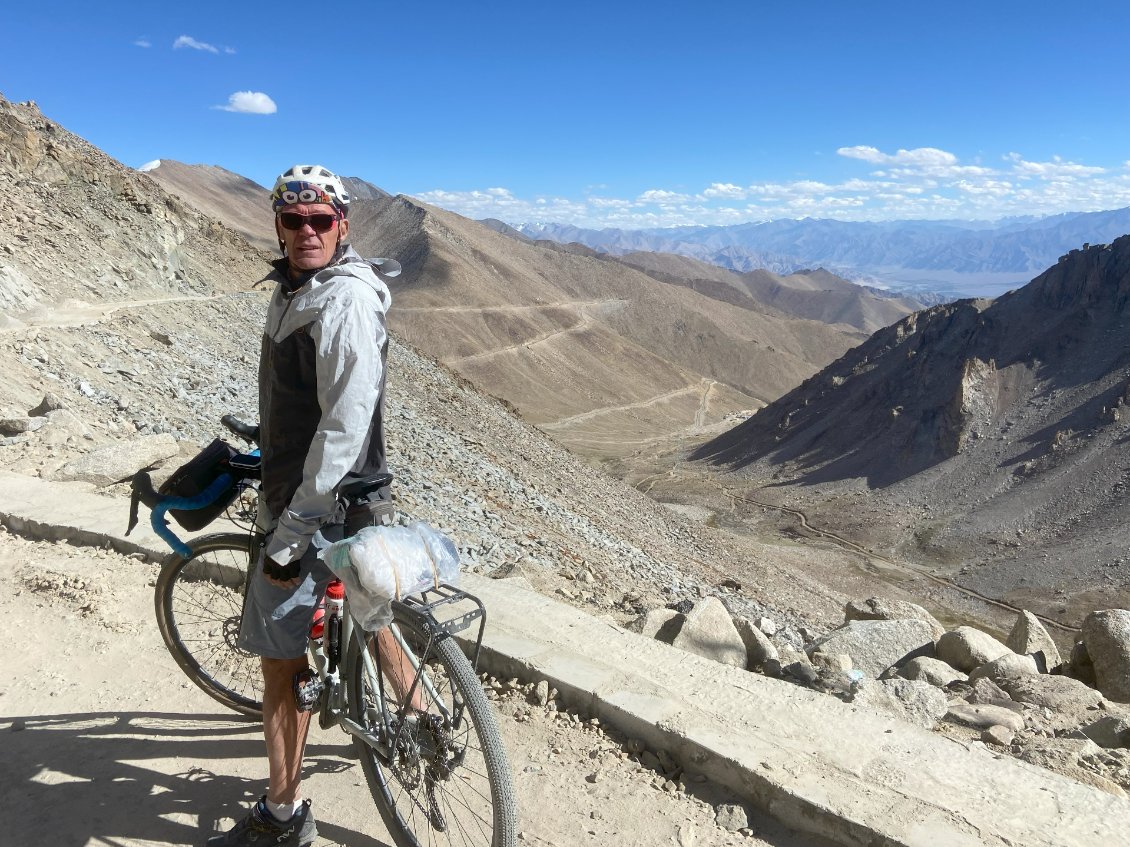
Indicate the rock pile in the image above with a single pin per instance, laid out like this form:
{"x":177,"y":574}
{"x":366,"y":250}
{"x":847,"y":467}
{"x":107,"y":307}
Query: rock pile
{"x":898,"y":659}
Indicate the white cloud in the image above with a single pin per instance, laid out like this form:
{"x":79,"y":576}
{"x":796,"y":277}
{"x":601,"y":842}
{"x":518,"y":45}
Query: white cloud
{"x":919,"y":183}
{"x":149,"y":166}
{"x":142,"y":42}
{"x":996,"y":188}
{"x":658,"y":195}
{"x":230,"y":51}
{"x":502,"y":203}
{"x":920,"y":160}
{"x":609,"y":203}
{"x":250,"y":103}
{"x":725,"y":189}
{"x":920,"y":156}
{"x":189,"y":41}
{"x":1055,"y":169}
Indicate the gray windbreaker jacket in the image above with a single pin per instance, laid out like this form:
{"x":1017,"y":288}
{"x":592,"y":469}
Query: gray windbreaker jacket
{"x":321,"y":390}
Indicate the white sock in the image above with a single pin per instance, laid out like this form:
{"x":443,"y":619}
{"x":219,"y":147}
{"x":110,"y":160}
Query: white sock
{"x":282,"y":812}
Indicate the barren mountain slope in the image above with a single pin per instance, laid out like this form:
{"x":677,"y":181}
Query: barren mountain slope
{"x":812,"y":295}
{"x":823,"y":296}
{"x":223,"y":195}
{"x":602,"y":355}
{"x":79,"y":227}
{"x":605,"y":357}
{"x":993,"y":436}
{"x":359,"y":189}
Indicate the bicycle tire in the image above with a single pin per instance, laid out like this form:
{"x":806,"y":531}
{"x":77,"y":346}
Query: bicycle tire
{"x":199,"y":603}
{"x":479,"y":782}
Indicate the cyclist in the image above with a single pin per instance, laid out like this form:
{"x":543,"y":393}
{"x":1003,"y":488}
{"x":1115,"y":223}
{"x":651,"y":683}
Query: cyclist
{"x":321,"y":396}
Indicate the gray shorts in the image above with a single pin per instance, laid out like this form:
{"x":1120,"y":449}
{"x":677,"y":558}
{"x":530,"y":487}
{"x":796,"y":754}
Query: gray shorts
{"x":276,"y":621}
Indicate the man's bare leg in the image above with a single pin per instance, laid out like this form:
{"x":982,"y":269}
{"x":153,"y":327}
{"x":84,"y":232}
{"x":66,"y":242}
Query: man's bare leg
{"x":284,"y":728}
{"x":399,"y":669}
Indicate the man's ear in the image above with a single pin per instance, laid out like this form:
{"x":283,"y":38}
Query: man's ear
{"x":278,"y":232}
{"x":343,"y":229}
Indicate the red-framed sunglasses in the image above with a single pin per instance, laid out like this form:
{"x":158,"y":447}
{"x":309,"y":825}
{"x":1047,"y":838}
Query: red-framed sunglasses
{"x":319,"y":223}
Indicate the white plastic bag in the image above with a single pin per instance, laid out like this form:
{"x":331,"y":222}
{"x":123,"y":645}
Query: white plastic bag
{"x":384,"y":563}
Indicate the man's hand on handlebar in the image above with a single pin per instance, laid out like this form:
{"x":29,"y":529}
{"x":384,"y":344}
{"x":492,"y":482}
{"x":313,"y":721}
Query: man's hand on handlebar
{"x":281,"y":576}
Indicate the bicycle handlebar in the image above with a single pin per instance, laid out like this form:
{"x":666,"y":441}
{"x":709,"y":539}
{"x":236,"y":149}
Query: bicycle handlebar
{"x":206,"y":497}
{"x":144,"y":492}
{"x":241,"y":467}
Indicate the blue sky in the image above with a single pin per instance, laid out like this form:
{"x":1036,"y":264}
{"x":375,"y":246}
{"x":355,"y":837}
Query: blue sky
{"x":611,"y":113}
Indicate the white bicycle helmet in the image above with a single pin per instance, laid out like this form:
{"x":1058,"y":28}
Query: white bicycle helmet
{"x":309,"y":184}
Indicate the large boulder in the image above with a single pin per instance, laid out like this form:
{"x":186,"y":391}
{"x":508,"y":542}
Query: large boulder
{"x":984,"y":691}
{"x":966,"y":648}
{"x":1109,"y":731}
{"x":759,"y":649}
{"x":879,"y":609}
{"x":1010,"y":664}
{"x":919,"y":703}
{"x":981,"y":716}
{"x":1107,"y":636}
{"x":709,"y":631}
{"x":1080,"y":666}
{"x":660,"y":624}
{"x":18,"y":425}
{"x":876,"y":645}
{"x":1028,"y":635}
{"x":934,"y":671}
{"x":1059,"y":693}
{"x":120,"y":460}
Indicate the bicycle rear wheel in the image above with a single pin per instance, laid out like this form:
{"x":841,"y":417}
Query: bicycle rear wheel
{"x":447,"y":781}
{"x":199,"y":603}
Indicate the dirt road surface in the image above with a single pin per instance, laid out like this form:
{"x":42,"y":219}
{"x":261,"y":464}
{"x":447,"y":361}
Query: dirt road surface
{"x":106,"y":742}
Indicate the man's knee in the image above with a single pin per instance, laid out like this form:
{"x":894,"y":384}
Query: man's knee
{"x":282,"y":671}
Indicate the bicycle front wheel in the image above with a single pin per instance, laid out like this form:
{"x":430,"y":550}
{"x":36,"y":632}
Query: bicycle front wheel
{"x":199,"y":602}
{"x":446,"y":780}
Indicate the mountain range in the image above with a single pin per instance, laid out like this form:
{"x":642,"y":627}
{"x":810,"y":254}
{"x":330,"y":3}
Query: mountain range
{"x":933,"y":260}
{"x":989,"y":439}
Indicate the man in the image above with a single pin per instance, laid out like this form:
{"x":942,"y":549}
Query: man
{"x":321,"y":392}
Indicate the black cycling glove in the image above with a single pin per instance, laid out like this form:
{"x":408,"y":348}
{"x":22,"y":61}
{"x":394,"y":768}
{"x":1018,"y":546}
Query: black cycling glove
{"x":283,"y":573}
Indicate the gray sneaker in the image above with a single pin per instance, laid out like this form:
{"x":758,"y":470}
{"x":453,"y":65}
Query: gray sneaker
{"x":260,"y":829}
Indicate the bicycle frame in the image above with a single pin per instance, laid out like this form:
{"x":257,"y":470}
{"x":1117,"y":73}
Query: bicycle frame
{"x":334,"y":706}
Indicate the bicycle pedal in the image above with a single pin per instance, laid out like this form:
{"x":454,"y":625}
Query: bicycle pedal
{"x":307,"y":690}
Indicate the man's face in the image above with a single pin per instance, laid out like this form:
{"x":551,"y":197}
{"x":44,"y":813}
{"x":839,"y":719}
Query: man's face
{"x":307,"y":248}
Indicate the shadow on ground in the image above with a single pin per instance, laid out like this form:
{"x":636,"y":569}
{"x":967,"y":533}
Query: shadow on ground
{"x":109,"y":778}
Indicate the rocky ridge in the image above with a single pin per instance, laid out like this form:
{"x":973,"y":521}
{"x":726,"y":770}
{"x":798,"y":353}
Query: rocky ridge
{"x":985,"y":440}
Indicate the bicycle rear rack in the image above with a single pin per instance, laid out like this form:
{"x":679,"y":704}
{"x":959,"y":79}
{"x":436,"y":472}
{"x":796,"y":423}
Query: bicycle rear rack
{"x":426,"y":602}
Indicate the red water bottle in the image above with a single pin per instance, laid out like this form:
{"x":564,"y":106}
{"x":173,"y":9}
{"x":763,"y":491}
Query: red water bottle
{"x":317,"y":626}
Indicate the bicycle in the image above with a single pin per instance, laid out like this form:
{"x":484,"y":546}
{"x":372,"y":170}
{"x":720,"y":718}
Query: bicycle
{"x":435,"y":773}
